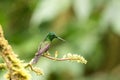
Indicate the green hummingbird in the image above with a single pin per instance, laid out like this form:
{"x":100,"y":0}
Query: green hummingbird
{"x":44,"y":46}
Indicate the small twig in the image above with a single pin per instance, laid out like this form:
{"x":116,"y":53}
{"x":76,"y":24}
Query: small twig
{"x":70,"y":57}
{"x":57,"y":59}
{"x":36,"y":70}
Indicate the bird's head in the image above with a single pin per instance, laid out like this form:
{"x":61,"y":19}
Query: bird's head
{"x":51,"y":35}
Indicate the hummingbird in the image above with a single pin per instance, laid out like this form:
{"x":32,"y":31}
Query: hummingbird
{"x":44,"y":46}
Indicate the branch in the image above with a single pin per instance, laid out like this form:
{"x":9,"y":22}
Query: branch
{"x":14,"y":65}
{"x":68,"y":57}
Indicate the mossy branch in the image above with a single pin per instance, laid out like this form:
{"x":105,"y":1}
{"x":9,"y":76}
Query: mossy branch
{"x":14,"y":65}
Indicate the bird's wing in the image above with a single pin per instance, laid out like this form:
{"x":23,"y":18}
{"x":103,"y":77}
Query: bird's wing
{"x":39,"y":47}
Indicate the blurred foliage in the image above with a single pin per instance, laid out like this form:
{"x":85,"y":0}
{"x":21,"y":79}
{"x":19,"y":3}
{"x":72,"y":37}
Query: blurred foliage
{"x":90,"y":27}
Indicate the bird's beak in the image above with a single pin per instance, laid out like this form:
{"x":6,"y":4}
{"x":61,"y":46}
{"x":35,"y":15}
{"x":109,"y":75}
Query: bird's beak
{"x":60,"y":38}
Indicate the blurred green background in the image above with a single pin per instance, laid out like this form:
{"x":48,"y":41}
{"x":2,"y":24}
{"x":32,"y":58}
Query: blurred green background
{"x":91,"y":28}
